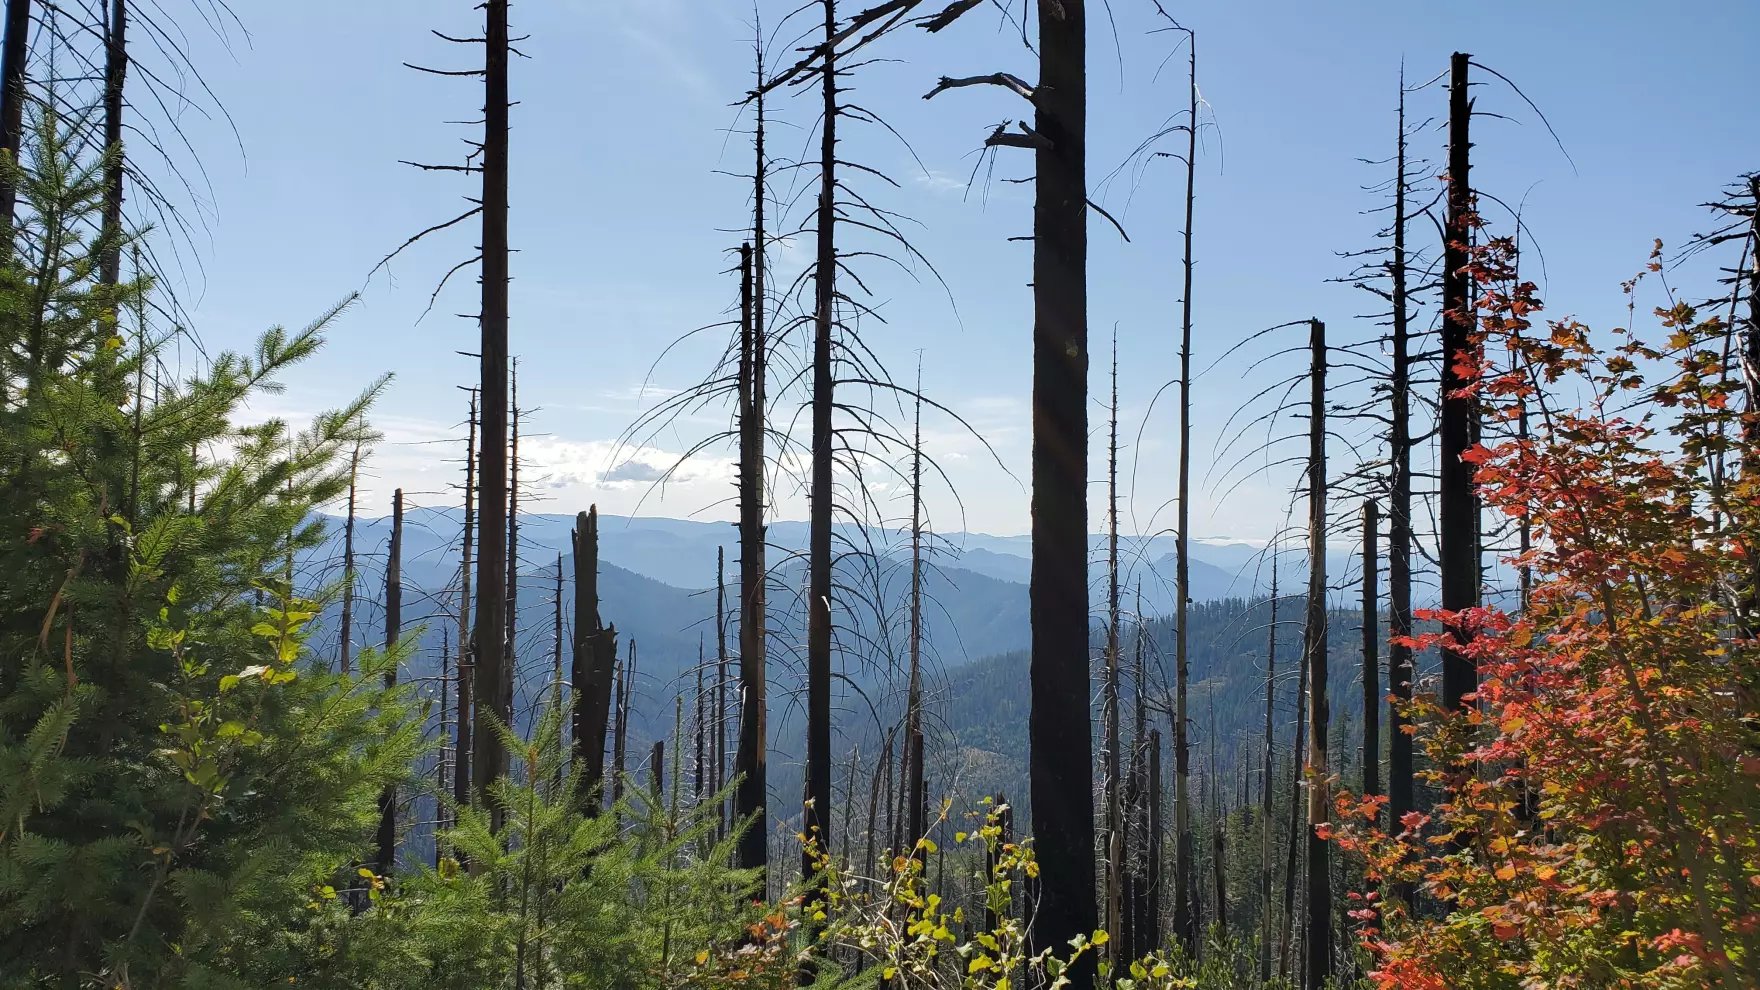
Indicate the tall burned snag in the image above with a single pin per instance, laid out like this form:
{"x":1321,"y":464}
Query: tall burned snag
{"x":1400,"y":671}
{"x":1115,"y":839}
{"x":490,"y":757}
{"x":345,"y":633}
{"x":914,"y":781}
{"x":1319,"y":878}
{"x":1457,"y":505}
{"x":817,"y":821}
{"x":14,"y":55}
{"x":1185,"y":923}
{"x":387,"y":838}
{"x":1060,"y":757}
{"x":1371,"y":651}
{"x":750,"y":751}
{"x":462,"y":755}
{"x":115,"y":78}
{"x":1265,"y":803}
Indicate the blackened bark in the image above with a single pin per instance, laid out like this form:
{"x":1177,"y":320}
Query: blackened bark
{"x":1185,"y":920}
{"x":817,"y":820}
{"x":14,"y":54}
{"x":387,"y":840}
{"x":462,"y":755}
{"x":595,"y":654}
{"x":1319,"y":967}
{"x":1457,"y":505}
{"x":1115,"y":869}
{"x":346,"y":633}
{"x":1371,"y":651}
{"x":914,"y":693}
{"x":115,"y":78}
{"x":1061,"y":751}
{"x":750,"y":758}
{"x":1265,"y":805}
{"x":1399,"y":516}
{"x":490,"y":757}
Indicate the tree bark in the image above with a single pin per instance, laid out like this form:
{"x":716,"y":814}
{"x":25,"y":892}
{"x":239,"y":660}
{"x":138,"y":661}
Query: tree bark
{"x":1371,"y":651}
{"x":490,"y":757}
{"x":1185,"y":922}
{"x":595,"y":656}
{"x":1060,"y":725}
{"x":750,"y":758}
{"x":1115,"y":871}
{"x":1319,"y":967}
{"x":115,"y":78}
{"x":1400,"y":672}
{"x":1265,"y":841}
{"x":816,"y":823}
{"x":14,"y":55}
{"x":346,"y":631}
{"x":462,"y":754}
{"x":387,"y":839}
{"x":914,"y":695}
{"x":1457,"y":505}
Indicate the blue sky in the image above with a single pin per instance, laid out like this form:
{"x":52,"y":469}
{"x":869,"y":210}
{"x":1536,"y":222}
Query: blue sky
{"x":622,"y":222}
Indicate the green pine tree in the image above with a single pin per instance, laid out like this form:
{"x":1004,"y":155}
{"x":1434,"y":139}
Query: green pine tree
{"x":176,"y":770}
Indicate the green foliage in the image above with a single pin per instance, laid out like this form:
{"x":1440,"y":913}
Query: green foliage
{"x":174,"y":767}
{"x":624,"y":899}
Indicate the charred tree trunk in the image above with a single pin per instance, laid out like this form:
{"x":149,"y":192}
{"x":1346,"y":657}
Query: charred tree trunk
{"x":816,"y":824}
{"x":490,"y":757}
{"x":115,"y":76}
{"x":1218,"y":828}
{"x":700,"y":767}
{"x":14,"y":54}
{"x":1185,"y":922}
{"x":1060,"y":736}
{"x":595,"y":655}
{"x":626,"y":676}
{"x":1266,"y":844}
{"x":510,"y":660}
{"x":1371,"y":651}
{"x":1291,"y":877}
{"x":387,"y":843}
{"x":441,"y":782}
{"x":1400,"y":672}
{"x":1457,"y":509}
{"x":750,"y":764}
{"x":346,"y":633}
{"x":716,"y":779}
{"x":462,"y":755}
{"x":914,"y":698}
{"x":1319,"y":967}
{"x":1115,"y":870}
{"x":1148,"y":935}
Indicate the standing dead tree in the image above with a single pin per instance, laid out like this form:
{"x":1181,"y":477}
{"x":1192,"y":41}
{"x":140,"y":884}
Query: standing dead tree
{"x":345,"y":631}
{"x":387,"y":837}
{"x":14,"y":55}
{"x":594,"y":657}
{"x":1457,"y":506}
{"x":461,"y":760}
{"x":1060,"y":743}
{"x":1314,"y":655}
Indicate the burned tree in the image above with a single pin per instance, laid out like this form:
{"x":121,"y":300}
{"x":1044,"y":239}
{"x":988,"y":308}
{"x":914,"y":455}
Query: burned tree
{"x":1319,"y":878}
{"x":1457,"y":503}
{"x":594,"y":656}
{"x":14,"y":54}
{"x":387,"y":837}
{"x":461,"y":760}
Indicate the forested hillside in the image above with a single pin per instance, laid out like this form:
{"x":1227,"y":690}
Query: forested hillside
{"x":1466,"y":694}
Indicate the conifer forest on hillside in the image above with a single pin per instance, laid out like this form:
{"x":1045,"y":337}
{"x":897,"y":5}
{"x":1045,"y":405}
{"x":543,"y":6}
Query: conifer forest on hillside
{"x":1481,"y":709}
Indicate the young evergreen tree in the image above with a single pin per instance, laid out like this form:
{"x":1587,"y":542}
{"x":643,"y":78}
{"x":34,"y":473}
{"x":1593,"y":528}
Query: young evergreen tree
{"x":177,"y":766}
